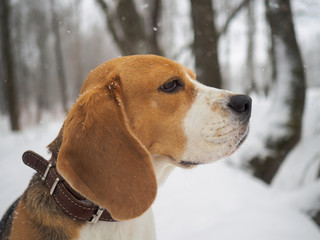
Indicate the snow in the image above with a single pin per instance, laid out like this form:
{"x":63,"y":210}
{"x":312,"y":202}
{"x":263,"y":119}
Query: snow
{"x":221,"y":202}
{"x":216,"y":201}
{"x":14,"y":175}
{"x":302,"y":165}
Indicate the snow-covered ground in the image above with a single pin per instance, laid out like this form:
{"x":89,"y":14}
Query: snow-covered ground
{"x":217,"y":201}
{"x":220,"y":203}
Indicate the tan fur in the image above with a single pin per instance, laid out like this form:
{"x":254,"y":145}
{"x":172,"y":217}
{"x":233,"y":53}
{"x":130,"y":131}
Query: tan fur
{"x":102,"y":159}
{"x":38,"y":217}
{"x":120,"y":119}
{"x":153,"y":116}
{"x":22,"y":226}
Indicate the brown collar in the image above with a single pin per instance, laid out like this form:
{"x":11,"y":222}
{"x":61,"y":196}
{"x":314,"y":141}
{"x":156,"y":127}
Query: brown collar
{"x":68,"y":199}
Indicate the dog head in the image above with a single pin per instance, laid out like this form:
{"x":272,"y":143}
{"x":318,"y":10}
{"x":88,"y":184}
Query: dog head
{"x":133,"y":108}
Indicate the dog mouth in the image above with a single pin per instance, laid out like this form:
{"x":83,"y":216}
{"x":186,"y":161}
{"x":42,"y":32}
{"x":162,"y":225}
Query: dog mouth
{"x":188,"y":164}
{"x":182,"y":163}
{"x":229,"y":144}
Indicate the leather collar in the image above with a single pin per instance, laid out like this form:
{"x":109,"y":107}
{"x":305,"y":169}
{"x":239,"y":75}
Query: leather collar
{"x":71,"y":202}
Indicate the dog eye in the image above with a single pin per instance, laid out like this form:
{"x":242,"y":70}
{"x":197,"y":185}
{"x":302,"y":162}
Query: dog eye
{"x":172,"y":86}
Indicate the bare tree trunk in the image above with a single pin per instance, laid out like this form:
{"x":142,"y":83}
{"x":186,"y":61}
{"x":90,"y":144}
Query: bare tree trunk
{"x":271,"y":54}
{"x":78,"y":50}
{"x":59,"y":57}
{"x":206,"y":38}
{"x":205,"y":43}
{"x":132,"y":37}
{"x":39,"y":23}
{"x":251,"y":48}
{"x":156,"y":12}
{"x":316,"y":217}
{"x":42,"y":83}
{"x":289,"y":90}
{"x":132,"y":26}
{"x":8,"y":65}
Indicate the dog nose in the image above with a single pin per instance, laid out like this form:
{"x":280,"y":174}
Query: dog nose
{"x":241,"y":104}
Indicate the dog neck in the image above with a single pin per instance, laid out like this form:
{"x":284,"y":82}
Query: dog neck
{"x":162,"y":167}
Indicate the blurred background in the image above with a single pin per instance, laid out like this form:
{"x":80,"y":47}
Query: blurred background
{"x":269,"y":49}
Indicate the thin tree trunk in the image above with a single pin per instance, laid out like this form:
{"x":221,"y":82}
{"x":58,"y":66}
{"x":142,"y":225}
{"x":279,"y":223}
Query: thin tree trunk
{"x":78,"y":50}
{"x":316,"y":217}
{"x":132,"y":26}
{"x":8,"y":61}
{"x":132,"y":37}
{"x":39,"y":23}
{"x":205,"y":43}
{"x":42,"y":83}
{"x":251,"y":48}
{"x":156,"y":12}
{"x":206,"y":38}
{"x":271,"y":54}
{"x":289,"y":91}
{"x":59,"y":57}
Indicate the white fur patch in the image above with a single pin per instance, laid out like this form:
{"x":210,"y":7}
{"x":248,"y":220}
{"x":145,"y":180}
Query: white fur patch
{"x":212,"y":130}
{"x":141,"y":228}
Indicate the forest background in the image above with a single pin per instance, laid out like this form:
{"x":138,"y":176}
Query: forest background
{"x":269,"y":49}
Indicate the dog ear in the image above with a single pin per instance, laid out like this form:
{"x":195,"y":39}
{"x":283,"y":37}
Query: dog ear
{"x":102,"y":159}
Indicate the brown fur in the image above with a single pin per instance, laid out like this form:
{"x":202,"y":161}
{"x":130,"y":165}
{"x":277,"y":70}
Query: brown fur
{"x":104,"y":148}
{"x":153,"y":116}
{"x":120,"y":119}
{"x":102,"y":159}
{"x":38,"y":217}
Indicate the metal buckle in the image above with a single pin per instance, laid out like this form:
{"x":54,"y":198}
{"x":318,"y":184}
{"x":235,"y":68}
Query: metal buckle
{"x":97,"y":215}
{"x":46,"y":172}
{"x":54,"y":186}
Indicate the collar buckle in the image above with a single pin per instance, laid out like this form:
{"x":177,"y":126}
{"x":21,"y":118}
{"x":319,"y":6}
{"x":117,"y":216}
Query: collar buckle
{"x":97,"y":215}
{"x":54,"y":185}
{"x":46,"y":172}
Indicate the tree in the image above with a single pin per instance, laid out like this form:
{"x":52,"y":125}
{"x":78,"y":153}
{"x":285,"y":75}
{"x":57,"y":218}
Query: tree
{"x":289,"y":91}
{"x":39,"y":22}
{"x":206,"y":37}
{"x":59,"y":56}
{"x":134,"y":36}
{"x":8,"y":65}
{"x":128,"y":30}
{"x":205,"y":44}
{"x":251,"y":48}
{"x":316,"y":217}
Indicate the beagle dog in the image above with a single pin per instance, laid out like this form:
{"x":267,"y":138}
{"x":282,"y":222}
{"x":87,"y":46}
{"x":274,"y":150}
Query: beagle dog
{"x":136,"y":118}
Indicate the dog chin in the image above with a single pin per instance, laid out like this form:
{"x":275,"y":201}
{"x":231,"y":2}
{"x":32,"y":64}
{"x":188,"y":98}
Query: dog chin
{"x":217,"y":148}
{"x":242,"y":136}
{"x":188,"y":164}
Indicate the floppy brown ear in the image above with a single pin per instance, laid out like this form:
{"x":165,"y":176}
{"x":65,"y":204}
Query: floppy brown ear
{"x":102,"y":159}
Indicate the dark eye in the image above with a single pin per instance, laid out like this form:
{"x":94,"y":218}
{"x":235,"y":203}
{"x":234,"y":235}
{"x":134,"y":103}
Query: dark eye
{"x":172,"y":86}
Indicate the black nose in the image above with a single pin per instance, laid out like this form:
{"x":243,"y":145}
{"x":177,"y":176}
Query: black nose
{"x":241,"y":104}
